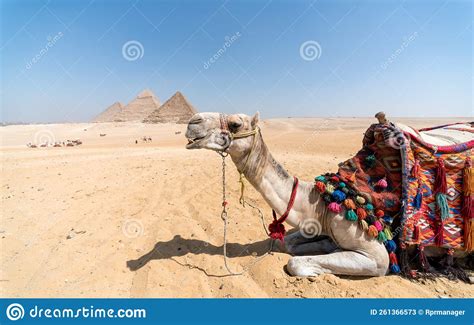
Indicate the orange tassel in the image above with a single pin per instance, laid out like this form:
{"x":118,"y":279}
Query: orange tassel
{"x":349,"y":204}
{"x":353,"y":177}
{"x":468,"y":205}
{"x":415,"y":170}
{"x":372,"y":231}
{"x":361,"y":213}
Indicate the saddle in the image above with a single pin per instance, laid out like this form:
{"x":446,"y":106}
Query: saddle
{"x":414,"y":185}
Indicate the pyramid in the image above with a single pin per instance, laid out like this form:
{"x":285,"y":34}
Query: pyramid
{"x":110,"y":113}
{"x":139,"y":108}
{"x":177,"y":109}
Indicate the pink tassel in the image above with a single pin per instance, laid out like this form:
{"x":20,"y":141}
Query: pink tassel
{"x":382,"y":183}
{"x":334,"y":207}
{"x":378,"y":226}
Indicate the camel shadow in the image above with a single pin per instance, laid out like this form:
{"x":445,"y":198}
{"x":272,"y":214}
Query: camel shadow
{"x":179,"y":246}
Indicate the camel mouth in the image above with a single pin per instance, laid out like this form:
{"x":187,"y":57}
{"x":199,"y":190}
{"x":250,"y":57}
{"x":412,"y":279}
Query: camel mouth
{"x":193,"y":142}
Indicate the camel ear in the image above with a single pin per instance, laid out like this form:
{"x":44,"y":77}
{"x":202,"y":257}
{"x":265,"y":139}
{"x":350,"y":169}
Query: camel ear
{"x":255,"y":119}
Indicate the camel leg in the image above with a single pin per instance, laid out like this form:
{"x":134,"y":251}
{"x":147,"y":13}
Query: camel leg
{"x":297,"y":244}
{"x":324,"y":246}
{"x":296,"y":238}
{"x":342,"y":263}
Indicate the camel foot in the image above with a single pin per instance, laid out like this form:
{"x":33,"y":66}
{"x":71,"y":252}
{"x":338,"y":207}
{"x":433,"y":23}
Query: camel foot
{"x":341,"y":263}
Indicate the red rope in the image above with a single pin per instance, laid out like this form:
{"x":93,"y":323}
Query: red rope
{"x":223,"y":120}
{"x":276,"y":228}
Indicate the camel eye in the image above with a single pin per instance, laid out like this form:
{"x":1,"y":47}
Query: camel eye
{"x":196,"y":120}
{"x":235,"y":125}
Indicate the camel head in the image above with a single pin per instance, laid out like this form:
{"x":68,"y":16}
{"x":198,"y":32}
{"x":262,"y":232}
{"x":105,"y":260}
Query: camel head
{"x":214,"y":131}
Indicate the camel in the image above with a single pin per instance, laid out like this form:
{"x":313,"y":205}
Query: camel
{"x":341,"y":247}
{"x":326,"y":241}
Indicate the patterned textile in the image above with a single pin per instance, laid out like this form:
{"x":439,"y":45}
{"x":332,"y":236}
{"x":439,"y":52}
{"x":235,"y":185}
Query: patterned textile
{"x":422,"y":222}
{"x":378,"y":160}
{"x":391,"y":155}
{"x":397,"y":173}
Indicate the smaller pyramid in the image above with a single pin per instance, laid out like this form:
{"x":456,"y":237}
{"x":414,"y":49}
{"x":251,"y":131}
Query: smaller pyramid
{"x":177,"y":109}
{"x":110,"y":113}
{"x":139,"y":108}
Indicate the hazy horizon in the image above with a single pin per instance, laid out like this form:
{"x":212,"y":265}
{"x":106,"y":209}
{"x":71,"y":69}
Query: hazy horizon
{"x":68,"y":61}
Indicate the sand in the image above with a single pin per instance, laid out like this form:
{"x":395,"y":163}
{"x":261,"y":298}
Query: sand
{"x":112,"y":218}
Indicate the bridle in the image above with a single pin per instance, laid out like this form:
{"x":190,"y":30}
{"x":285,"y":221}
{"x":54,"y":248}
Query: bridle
{"x":239,"y":135}
{"x":276,"y":230}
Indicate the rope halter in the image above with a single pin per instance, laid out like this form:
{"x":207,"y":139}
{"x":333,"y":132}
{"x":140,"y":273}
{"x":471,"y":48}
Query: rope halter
{"x":239,"y":135}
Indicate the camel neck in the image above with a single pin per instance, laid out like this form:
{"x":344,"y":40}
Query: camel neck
{"x":268,"y":177}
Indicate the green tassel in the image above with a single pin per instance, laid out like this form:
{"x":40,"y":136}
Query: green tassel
{"x":351,"y":215}
{"x":381,"y":236}
{"x":442,"y":203}
{"x":321,"y":179}
{"x":388,"y":233}
{"x":370,"y":160}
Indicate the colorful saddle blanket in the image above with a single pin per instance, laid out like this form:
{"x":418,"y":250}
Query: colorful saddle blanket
{"x":425,"y":178}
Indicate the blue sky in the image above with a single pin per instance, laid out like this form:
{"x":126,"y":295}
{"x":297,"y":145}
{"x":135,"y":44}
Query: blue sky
{"x":64,"y":60}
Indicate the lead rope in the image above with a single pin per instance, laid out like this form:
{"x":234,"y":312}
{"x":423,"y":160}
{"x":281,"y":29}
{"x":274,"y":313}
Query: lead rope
{"x":224,"y":219}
